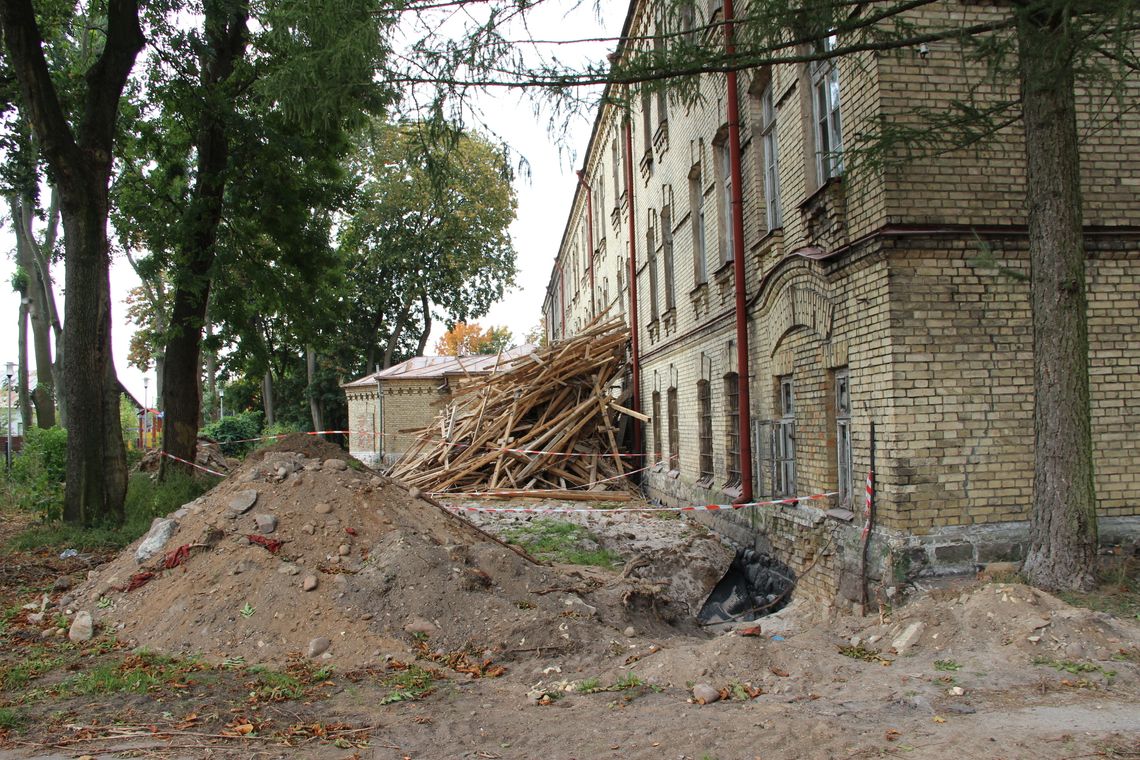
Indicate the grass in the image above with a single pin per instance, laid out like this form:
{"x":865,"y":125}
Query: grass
{"x":146,"y":499}
{"x":947,"y":666}
{"x":273,"y":686}
{"x":561,"y":541}
{"x":594,"y":685}
{"x":1117,"y":591}
{"x":409,"y":684}
{"x":860,"y":652}
{"x":1074,"y":667}
{"x":11,"y":719}
{"x":138,"y":674}
{"x":32,"y":664}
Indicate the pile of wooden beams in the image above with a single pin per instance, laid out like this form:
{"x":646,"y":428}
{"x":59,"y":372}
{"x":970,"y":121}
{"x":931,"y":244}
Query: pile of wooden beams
{"x":543,"y":425}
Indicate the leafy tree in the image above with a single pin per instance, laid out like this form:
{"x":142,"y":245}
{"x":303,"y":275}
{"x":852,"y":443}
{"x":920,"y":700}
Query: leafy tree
{"x":430,"y":223}
{"x":78,"y":148}
{"x":467,"y":338}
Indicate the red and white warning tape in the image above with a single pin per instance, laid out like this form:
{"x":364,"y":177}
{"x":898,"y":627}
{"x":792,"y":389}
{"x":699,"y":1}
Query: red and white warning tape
{"x":549,"y":510}
{"x":867,"y":505}
{"x":192,"y":464}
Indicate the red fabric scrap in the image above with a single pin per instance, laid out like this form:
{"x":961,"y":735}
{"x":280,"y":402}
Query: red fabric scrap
{"x":272,"y":545}
{"x":177,"y":557}
{"x":138,"y":580}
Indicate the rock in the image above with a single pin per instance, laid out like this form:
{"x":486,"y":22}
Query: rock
{"x":82,"y":627}
{"x":288,"y":568}
{"x":266,"y":524}
{"x":318,"y":646}
{"x":703,"y":694}
{"x":344,"y":550}
{"x":908,"y":638}
{"x":956,"y":691}
{"x":1076,"y":651}
{"x":630,"y":631}
{"x":336,"y":464}
{"x":322,"y":508}
{"x":243,"y":501}
{"x":47,"y":633}
{"x":309,"y":583}
{"x":420,"y":626}
{"x":160,"y":532}
{"x":62,"y":583}
{"x":308,"y":529}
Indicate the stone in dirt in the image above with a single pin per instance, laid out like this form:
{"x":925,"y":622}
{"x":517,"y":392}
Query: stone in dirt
{"x":82,"y":627}
{"x":266,"y":524}
{"x":62,"y":583}
{"x":243,"y":501}
{"x":310,"y":583}
{"x":322,"y":508}
{"x":907,"y":638}
{"x":318,"y":646}
{"x":703,"y":694}
{"x":420,"y":626}
{"x":160,"y":532}
{"x":336,"y":464}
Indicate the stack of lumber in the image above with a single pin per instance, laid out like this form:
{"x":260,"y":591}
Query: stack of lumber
{"x":544,"y":425}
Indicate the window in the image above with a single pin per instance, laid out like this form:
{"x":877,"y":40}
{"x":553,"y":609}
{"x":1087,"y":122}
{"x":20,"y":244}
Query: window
{"x":651,"y":262}
{"x":732,"y":428}
{"x":724,"y":179}
{"x":615,"y":158}
{"x":688,"y":13}
{"x":620,"y":295}
{"x":647,"y":118}
{"x":784,"y":478}
{"x":825,"y":107}
{"x":600,"y":212}
{"x":674,"y":431}
{"x":657,"y":456}
{"x":697,"y":213}
{"x":771,"y":159}
{"x":843,"y":434}
{"x":705,"y":434}
{"x":667,"y":257}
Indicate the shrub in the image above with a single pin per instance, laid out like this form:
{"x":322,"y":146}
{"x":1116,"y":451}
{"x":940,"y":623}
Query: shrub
{"x":233,"y":428}
{"x":38,"y":472}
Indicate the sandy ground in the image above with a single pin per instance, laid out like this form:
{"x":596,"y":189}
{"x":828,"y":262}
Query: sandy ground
{"x":590,"y":663}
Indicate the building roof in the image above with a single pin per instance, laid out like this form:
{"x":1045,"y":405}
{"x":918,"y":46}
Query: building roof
{"x":428,"y":367}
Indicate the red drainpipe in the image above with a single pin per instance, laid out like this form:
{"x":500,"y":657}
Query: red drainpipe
{"x":637,"y":447}
{"x":589,"y":236}
{"x":743,"y":379}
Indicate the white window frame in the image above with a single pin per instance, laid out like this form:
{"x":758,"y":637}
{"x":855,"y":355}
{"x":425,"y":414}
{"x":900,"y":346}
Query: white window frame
{"x":845,"y":479}
{"x":775,"y":217}
{"x":826,"y":103}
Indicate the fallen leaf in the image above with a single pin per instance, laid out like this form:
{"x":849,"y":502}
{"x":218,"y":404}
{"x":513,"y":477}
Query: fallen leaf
{"x":779,"y":672}
{"x":939,"y":719}
{"x":892,"y":734}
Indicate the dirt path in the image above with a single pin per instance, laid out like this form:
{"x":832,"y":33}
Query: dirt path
{"x":423,"y":638}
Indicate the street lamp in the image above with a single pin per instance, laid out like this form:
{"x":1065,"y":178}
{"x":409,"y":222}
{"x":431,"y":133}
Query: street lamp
{"x":146,"y":387}
{"x":9,"y":371}
{"x":221,"y":403}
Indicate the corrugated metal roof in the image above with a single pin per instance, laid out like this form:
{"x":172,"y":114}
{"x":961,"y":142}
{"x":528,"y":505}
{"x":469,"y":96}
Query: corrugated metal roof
{"x":427,"y":367}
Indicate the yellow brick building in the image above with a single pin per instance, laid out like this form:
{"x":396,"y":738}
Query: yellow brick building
{"x":887,"y":295}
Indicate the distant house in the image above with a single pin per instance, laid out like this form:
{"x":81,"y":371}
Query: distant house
{"x":386,"y":406}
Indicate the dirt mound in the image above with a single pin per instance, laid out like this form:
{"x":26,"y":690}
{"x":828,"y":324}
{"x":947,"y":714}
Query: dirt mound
{"x":303,"y":548}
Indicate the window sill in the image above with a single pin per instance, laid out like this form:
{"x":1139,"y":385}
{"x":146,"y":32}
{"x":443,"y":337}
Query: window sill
{"x":705,"y":482}
{"x":724,"y":272}
{"x":673,"y":474}
{"x":732,"y":491}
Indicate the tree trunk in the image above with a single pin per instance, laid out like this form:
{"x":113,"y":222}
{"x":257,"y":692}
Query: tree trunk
{"x":315,"y":408}
{"x":225,"y":25}
{"x":397,"y":331}
{"x":38,"y":297}
{"x":1063,"y":529}
{"x":22,"y":369}
{"x":427,"y":325}
{"x":267,"y":398}
{"x":81,"y":164}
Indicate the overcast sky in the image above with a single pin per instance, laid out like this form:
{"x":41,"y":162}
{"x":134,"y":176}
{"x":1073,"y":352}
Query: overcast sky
{"x":545,"y":192}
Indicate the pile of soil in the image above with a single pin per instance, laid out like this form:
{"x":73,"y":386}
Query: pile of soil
{"x":208,"y":455}
{"x":383,"y":570}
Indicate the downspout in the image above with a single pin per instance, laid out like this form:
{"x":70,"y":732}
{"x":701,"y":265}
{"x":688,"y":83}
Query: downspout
{"x":633,"y":327}
{"x":743,"y":375}
{"x":379,"y":425}
{"x":589,"y":237}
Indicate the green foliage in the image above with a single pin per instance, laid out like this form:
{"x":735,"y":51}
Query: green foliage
{"x":234,"y":431}
{"x":11,"y":719}
{"x":561,"y":541}
{"x":947,"y":666}
{"x":411,"y":683}
{"x":38,"y":473}
{"x":277,"y":429}
{"x":273,"y":686}
{"x":1073,"y":666}
{"x":147,"y":498}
